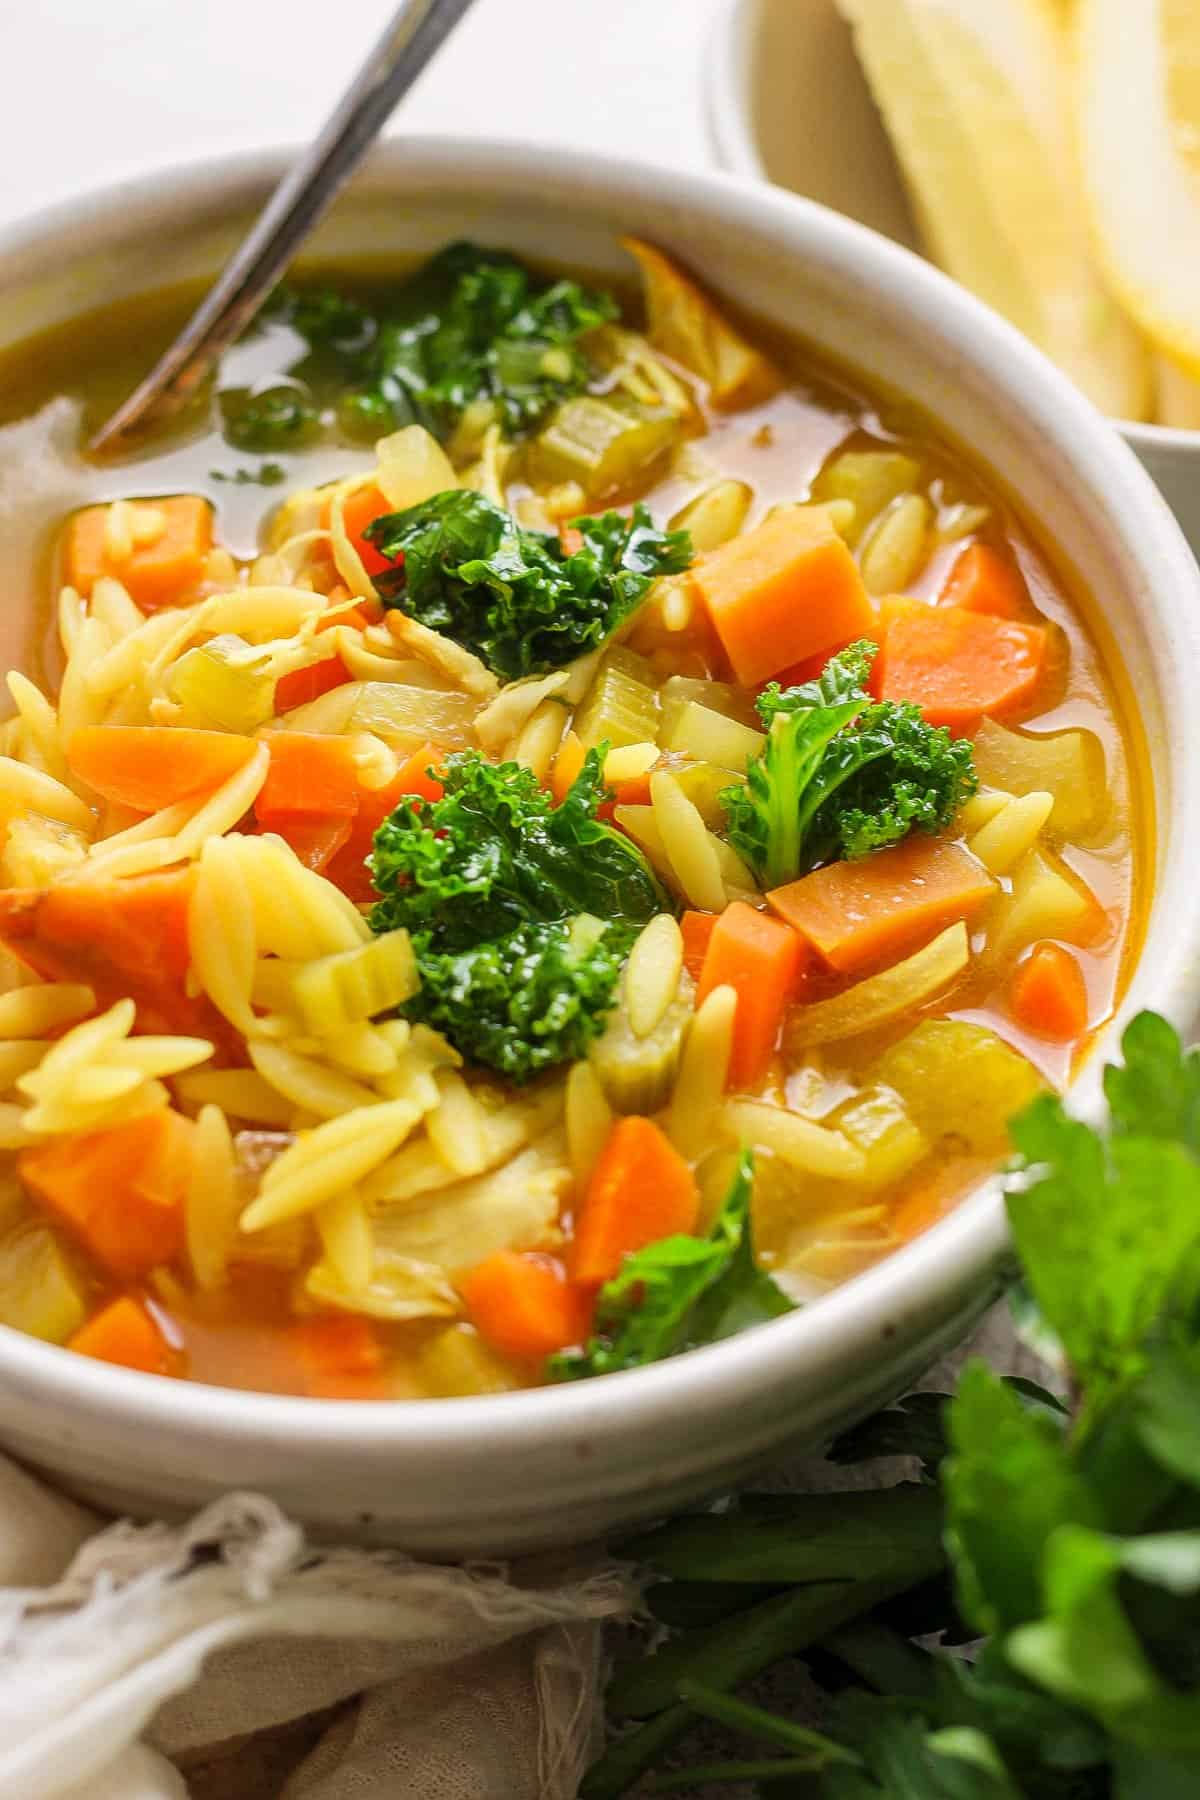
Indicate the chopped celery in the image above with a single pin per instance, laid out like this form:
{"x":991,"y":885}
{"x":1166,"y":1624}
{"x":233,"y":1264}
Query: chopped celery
{"x":621,"y":706}
{"x":876,"y":1122}
{"x":722,"y":697}
{"x":226,"y":684}
{"x":710,"y":737}
{"x":407,"y":717}
{"x":352,"y":985}
{"x":457,"y":1361}
{"x":1067,"y":764}
{"x":870,"y":480}
{"x":39,"y":1291}
{"x":704,"y":783}
{"x":960,"y":1081}
{"x":638,"y":1073}
{"x":607,"y":445}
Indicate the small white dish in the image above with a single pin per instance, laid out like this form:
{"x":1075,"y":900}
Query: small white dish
{"x":788,"y":103}
{"x":511,"y":1471}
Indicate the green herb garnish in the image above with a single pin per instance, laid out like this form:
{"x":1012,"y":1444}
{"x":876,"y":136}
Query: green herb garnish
{"x":521,"y":913}
{"x":516,"y":597}
{"x":842,"y":774}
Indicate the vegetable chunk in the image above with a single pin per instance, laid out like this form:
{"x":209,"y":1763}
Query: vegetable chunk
{"x":763,"y":962}
{"x":148,"y":767}
{"x":685,"y":323}
{"x":956,"y":664}
{"x":859,"y":913}
{"x":959,"y":1080}
{"x":641,"y":1190}
{"x":523,"y":1305}
{"x":783,"y":592}
{"x":119,"y":1191}
{"x":124,"y":1333}
{"x":157,"y":565}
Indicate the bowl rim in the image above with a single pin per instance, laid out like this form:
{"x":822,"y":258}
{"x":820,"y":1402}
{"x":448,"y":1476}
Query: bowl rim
{"x":924,"y":1279}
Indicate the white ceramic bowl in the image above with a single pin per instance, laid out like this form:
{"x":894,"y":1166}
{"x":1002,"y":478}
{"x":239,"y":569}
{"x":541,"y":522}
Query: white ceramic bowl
{"x":788,"y":103}
{"x":473,"y":1475}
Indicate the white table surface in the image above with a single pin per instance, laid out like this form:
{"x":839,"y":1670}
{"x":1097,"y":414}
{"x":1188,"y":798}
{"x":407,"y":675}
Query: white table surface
{"x":95,"y":89}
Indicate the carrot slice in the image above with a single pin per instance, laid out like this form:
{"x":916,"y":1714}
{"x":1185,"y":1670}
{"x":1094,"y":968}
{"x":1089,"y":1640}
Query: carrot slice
{"x":697,"y":929}
{"x":762,"y":960}
{"x":782,"y":593}
{"x":954,"y":664}
{"x":859,"y":913}
{"x":524,"y":1306}
{"x":360,"y":509}
{"x":150,"y":766}
{"x":123,"y":1332}
{"x":413,"y":781}
{"x":310,"y":773}
{"x":157,"y":573}
{"x":641,"y":1190}
{"x":123,"y":936}
{"x":984,"y":581}
{"x":303,"y":685}
{"x":567,"y":764}
{"x":119,"y":1191}
{"x":315,"y":840}
{"x":1048,"y":993}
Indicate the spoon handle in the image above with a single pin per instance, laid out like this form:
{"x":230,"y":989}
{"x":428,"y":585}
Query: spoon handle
{"x":413,"y":37}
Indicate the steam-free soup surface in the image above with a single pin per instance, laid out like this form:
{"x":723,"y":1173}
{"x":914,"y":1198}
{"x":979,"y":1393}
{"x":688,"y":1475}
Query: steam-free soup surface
{"x":541,"y":827}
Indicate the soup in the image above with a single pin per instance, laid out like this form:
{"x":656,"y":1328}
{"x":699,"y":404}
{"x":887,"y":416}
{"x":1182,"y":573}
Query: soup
{"x":539,"y":831}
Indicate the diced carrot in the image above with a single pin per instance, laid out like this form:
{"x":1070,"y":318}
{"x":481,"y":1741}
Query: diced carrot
{"x":123,"y":1332}
{"x":761,"y":960}
{"x":315,"y":840}
{"x":859,"y":913}
{"x":340,"y":1357}
{"x":414,"y":779}
{"x":524,"y":1306}
{"x":567,"y":764}
{"x":916,"y":1213}
{"x":126,"y":935}
{"x":157,"y":573}
{"x":984,"y":581}
{"x":338,"y":1343}
{"x":783,"y":592}
{"x":303,"y":685}
{"x":697,"y":929}
{"x":570,"y":539}
{"x":360,"y":509}
{"x":150,"y":766}
{"x":311,"y":773}
{"x":347,"y":867}
{"x":1048,"y":993}
{"x":119,"y":1191}
{"x":641,"y":1190}
{"x":954,"y":664}
{"x":811,"y":668}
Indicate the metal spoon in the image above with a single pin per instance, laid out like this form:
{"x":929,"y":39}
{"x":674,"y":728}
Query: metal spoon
{"x":411,"y":40}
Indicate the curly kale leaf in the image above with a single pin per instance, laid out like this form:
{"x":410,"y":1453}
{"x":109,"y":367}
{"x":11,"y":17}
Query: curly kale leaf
{"x":521,"y":913}
{"x":470,"y":326}
{"x":681,"y":1292}
{"x":528,"y":1000}
{"x":493,"y":854}
{"x":515,"y":597}
{"x":842,"y":774}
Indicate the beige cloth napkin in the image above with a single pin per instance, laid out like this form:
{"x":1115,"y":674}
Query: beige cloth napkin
{"x":475,"y":1683}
